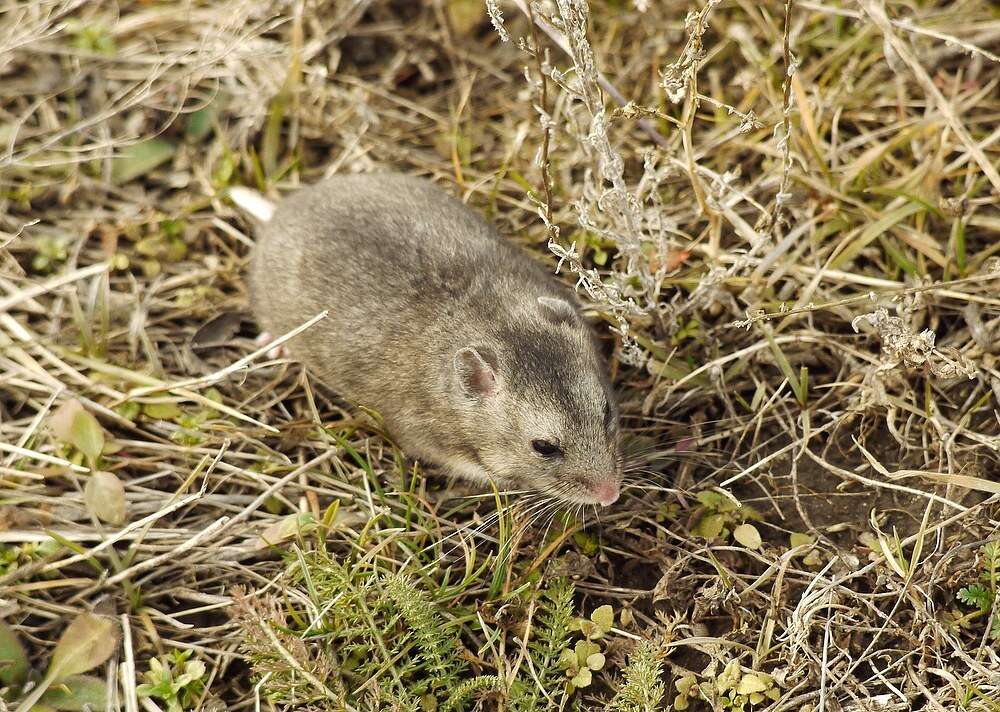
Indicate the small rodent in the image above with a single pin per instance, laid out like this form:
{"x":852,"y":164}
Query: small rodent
{"x":475,"y":356}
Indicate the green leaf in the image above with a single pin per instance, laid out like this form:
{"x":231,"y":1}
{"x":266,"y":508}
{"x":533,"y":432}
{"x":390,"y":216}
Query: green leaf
{"x":128,"y":410}
{"x":292,"y":525}
{"x":912,"y":197}
{"x":748,"y":536}
{"x":604,"y":617}
{"x":78,"y":693}
{"x":72,"y":424}
{"x":162,"y":411}
{"x":991,"y":552}
{"x":193,"y":672}
{"x":567,"y":659}
{"x":684,"y":684}
{"x":595,"y":661}
{"x":104,"y":495}
{"x":582,"y":678}
{"x":711,"y":500}
{"x":710,"y":526}
{"x":751,"y":683}
{"x":976,"y":595}
{"x":13,"y":658}
{"x":897,"y":256}
{"x":583,"y":650}
{"x":140,"y":158}
{"x":199,"y":122}
{"x":813,"y":558}
{"x":795,"y":382}
{"x":873,"y":231}
{"x":797,"y":539}
{"x":87,"y":435}
{"x":589,"y":628}
{"x":61,"y":420}
{"x":86,"y":643}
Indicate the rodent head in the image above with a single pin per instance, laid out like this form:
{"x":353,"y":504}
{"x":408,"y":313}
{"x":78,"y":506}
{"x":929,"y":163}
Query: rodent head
{"x":537,"y":407}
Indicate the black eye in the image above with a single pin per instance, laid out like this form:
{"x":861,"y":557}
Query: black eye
{"x":546,"y":449}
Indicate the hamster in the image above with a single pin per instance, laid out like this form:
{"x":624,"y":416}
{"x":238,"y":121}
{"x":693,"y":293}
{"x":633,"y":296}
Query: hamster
{"x":476,"y":358}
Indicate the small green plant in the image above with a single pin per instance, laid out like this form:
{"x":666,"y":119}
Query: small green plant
{"x":550,"y":638}
{"x":50,"y":254}
{"x":374,"y":636}
{"x":813,"y":558}
{"x":14,"y":556}
{"x":738,"y":687}
{"x":87,"y":642}
{"x":734,"y":689}
{"x":719,"y":517}
{"x":602,"y":620}
{"x":599,"y":248}
{"x":585,"y":658}
{"x":982,"y":596}
{"x":86,"y":441}
{"x":687,"y":690}
{"x":165,"y":245}
{"x":581,"y":662}
{"x":378,"y":627}
{"x":178,"y":683}
{"x":78,"y":429}
{"x":642,"y":689}
{"x":189,"y":421}
{"x":691,"y":329}
{"x":92,"y":38}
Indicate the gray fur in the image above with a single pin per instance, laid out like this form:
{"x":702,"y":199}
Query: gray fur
{"x":411,"y":277}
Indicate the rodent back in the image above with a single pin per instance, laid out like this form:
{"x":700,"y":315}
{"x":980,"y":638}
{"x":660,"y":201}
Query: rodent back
{"x":403,"y":268}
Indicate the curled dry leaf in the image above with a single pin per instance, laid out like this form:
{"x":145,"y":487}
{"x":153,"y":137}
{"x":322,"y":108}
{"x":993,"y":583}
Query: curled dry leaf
{"x":72,"y":424}
{"x":61,"y":419}
{"x":105,"y":498}
{"x":87,"y":642}
{"x":293,"y":525}
{"x":748,"y":536}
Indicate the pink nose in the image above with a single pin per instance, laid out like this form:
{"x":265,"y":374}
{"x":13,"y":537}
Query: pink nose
{"x":606,"y":492}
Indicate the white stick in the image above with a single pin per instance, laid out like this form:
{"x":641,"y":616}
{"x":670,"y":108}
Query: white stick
{"x":252,"y":202}
{"x":54,"y":283}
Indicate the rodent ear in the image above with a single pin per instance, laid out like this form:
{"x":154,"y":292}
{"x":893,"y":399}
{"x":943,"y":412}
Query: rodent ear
{"x":476,"y":374}
{"x":558,"y":311}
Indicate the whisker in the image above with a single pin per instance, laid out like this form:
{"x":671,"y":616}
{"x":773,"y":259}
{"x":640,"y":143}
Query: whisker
{"x":491,"y":495}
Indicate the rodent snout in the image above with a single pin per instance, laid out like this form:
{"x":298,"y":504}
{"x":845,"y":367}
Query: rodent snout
{"x":607,"y":493}
{"x":604,"y":492}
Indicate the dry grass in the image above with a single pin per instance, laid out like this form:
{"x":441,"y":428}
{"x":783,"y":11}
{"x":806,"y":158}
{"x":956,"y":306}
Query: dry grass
{"x":776,"y":243}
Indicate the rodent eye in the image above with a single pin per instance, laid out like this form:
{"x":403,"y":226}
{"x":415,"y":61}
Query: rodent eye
{"x":546,"y":448}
